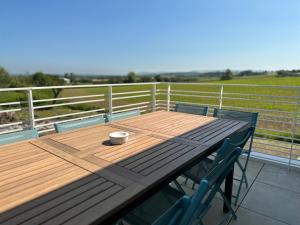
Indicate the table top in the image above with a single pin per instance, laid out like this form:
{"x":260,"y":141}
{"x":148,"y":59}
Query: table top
{"x":78,"y":177}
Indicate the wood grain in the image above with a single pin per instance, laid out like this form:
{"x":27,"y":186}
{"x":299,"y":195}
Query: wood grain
{"x":78,"y":177}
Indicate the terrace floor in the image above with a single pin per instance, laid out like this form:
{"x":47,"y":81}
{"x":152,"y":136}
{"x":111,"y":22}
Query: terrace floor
{"x":273,"y":197}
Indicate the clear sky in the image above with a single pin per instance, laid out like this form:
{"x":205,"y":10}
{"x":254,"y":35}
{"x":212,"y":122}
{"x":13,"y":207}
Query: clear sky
{"x":116,"y":36}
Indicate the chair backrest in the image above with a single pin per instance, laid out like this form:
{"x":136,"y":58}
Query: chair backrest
{"x":240,"y":139}
{"x":67,"y":126}
{"x":122,"y":115}
{"x":249,"y":117}
{"x":208,"y":188}
{"x":191,"y":108}
{"x":173,"y":215}
{"x":18,"y":136}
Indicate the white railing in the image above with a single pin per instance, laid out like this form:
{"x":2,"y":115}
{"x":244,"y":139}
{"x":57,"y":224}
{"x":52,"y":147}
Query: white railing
{"x":277,"y":135}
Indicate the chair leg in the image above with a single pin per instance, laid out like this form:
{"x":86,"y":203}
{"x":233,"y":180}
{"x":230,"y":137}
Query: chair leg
{"x":239,"y":191}
{"x":179,"y":186}
{"x":186,"y":180}
{"x":243,"y":173}
{"x":193,"y":186}
{"x":227,"y":203}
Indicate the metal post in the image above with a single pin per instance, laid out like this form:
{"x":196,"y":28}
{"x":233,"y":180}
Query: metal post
{"x":110,"y":103}
{"x":293,"y":129}
{"x":153,"y":97}
{"x":168,"y":97}
{"x":221,"y":97}
{"x":30,"y":109}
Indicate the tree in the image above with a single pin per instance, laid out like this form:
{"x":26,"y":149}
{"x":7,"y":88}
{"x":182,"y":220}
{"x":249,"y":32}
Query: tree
{"x":158,"y":78}
{"x":4,"y":78}
{"x":41,"y":79}
{"x":227,"y":75}
{"x":131,"y":77}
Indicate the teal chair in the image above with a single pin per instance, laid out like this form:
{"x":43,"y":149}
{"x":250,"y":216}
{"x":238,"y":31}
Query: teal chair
{"x":201,"y":169}
{"x":191,"y":108}
{"x":198,"y":171}
{"x":18,"y":136}
{"x":170,"y":207}
{"x":67,"y":126}
{"x":241,"y":138}
{"x":122,"y":115}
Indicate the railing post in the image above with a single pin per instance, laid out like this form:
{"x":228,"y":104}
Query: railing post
{"x":153,"y":92}
{"x":168,"y":97}
{"x":30,"y":109}
{"x":110,"y":103}
{"x":221,"y":97}
{"x":293,"y":128}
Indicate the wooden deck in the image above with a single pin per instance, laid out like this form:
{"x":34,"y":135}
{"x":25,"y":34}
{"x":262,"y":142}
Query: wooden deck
{"x":78,"y":177}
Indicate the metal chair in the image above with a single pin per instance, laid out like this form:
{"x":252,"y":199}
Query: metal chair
{"x":170,"y":207}
{"x":191,"y":108}
{"x":67,"y":126}
{"x":251,"y":118}
{"x":201,"y":169}
{"x":122,"y":115}
{"x":18,"y":136}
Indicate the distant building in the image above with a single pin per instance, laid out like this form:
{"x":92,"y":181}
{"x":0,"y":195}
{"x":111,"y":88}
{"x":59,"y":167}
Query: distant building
{"x":66,"y":80}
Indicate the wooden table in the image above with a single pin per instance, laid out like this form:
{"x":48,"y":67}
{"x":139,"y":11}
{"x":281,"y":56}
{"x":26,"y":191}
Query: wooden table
{"x":78,"y":177}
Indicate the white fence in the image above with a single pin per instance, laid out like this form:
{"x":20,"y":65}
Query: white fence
{"x":277,"y":135}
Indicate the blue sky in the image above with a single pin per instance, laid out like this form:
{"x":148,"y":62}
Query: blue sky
{"x":117,"y":36}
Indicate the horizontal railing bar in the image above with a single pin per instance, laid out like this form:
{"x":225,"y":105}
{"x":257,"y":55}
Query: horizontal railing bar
{"x":267,"y":144}
{"x":233,"y":93}
{"x":10,"y":110}
{"x":195,"y":96}
{"x":161,"y":100}
{"x":272,"y":130}
{"x":134,"y":96}
{"x":200,"y":92}
{"x":10,"y":124}
{"x":63,"y":121}
{"x":265,"y":138}
{"x":46,"y":130}
{"x":77,"y":86}
{"x":145,"y":83}
{"x":10,"y":131}
{"x":230,"y":85}
{"x":275,"y":121}
{"x":257,"y":95}
{"x":69,"y":114}
{"x":67,"y":98}
{"x":11,"y":103}
{"x":258,"y":109}
{"x":259,"y":100}
{"x":123,"y":106}
{"x":272,"y":135}
{"x":271,"y":150}
{"x":68,"y":103}
{"x":125,"y":110}
{"x":130,"y":92}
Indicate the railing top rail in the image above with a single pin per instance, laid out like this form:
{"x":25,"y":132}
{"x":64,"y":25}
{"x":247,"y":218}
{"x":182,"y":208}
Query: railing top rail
{"x":220,"y":84}
{"x":144,"y":83}
{"x":76,"y":86}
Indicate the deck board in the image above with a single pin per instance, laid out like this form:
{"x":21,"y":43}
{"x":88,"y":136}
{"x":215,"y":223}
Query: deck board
{"x":78,"y":177}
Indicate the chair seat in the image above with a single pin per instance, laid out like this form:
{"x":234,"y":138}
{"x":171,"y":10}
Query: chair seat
{"x":200,"y":170}
{"x":154,"y":207}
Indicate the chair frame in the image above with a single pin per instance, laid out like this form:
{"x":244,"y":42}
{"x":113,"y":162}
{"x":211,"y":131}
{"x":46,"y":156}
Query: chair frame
{"x":18,"y":136}
{"x":122,"y":115}
{"x":195,"y":106}
{"x":254,"y":117}
{"x":77,"y":124}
